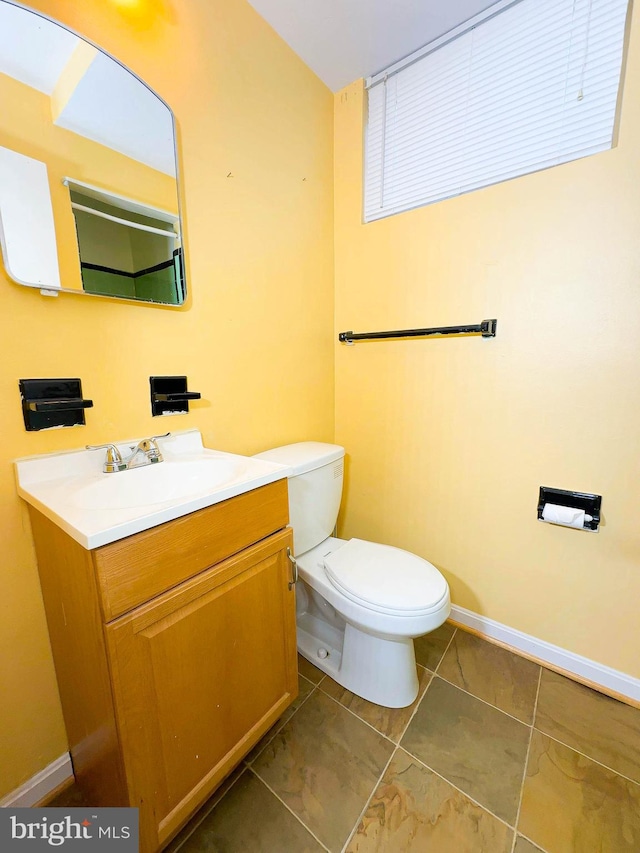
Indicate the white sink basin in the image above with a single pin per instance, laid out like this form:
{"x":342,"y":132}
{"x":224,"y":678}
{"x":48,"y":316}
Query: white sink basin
{"x":96,"y":508}
{"x":158,"y":483}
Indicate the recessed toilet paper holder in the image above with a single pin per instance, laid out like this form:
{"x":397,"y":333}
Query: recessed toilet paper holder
{"x":589,"y":503}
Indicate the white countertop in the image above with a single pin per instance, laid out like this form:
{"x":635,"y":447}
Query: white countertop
{"x":96,"y":508}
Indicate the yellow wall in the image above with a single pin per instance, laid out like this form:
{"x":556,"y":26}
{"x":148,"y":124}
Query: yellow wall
{"x":450,"y":439}
{"x":26,"y":126}
{"x":255,"y":337}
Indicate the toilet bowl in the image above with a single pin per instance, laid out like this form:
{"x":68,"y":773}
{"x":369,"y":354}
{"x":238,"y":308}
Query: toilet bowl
{"x":359,"y":604}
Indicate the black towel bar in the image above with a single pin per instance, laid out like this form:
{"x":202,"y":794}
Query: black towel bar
{"x":487,"y":329}
{"x":59,"y":405}
{"x":173,"y":398}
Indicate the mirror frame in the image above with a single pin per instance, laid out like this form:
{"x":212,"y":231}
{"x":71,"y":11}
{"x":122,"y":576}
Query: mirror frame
{"x":55,"y":290}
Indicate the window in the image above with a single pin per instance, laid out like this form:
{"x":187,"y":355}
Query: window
{"x":521,"y":87}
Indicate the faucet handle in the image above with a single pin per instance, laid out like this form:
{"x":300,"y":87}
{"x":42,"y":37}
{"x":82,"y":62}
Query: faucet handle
{"x":154,"y":441}
{"x":150,"y":447}
{"x":113,"y":461}
{"x":110,"y":448}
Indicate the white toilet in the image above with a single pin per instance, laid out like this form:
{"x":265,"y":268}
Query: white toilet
{"x":358,"y":604}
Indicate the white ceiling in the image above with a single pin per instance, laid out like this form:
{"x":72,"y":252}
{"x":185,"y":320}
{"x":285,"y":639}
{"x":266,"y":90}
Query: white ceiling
{"x":343,"y":40}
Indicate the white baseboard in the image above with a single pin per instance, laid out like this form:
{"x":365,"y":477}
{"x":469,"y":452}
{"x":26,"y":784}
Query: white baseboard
{"x":584,"y":669}
{"x":39,"y":786}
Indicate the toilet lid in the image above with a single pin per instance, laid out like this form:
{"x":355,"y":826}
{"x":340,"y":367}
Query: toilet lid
{"x":385,"y":578}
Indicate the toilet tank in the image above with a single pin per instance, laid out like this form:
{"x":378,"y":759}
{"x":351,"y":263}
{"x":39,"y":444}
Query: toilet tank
{"x":315,"y":489}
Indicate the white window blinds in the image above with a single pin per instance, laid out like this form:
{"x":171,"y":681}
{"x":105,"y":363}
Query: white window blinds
{"x":531,"y":84}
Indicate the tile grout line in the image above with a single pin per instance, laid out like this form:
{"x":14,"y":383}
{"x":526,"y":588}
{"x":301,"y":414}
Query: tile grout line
{"x":395,"y":745}
{"x":415,"y":710}
{"x":371,"y":726}
{"x":288,"y":808}
{"x":464,"y":690}
{"x":248,"y":766}
{"x":366,"y":805}
{"x":208,"y":811}
{"x":279,"y":729}
{"x":377,"y":783}
{"x":459,"y":790}
{"x":538,"y":849}
{"x":535,"y":707}
{"x":448,"y":646}
{"x":532,"y":724}
{"x":526,"y":764}
{"x":484,"y":701}
{"x":317,"y":686}
{"x":514,"y":654}
{"x":362,"y":720}
{"x":426,"y":690}
{"x":353,"y":714}
{"x":588,"y":757}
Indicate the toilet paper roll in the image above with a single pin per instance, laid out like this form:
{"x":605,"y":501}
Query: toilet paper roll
{"x":568,"y":516}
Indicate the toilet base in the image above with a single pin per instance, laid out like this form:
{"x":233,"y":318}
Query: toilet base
{"x":367,"y":652}
{"x":383,"y":671}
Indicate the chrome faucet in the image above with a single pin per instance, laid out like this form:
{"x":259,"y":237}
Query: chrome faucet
{"x":146,"y":452}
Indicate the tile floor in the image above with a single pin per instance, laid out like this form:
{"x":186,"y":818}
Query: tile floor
{"x":496,"y":755}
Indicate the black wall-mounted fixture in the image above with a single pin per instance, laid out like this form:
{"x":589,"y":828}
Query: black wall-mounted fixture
{"x":487,"y":329}
{"x":50,"y":403}
{"x":169,"y":395}
{"x":591,"y":504}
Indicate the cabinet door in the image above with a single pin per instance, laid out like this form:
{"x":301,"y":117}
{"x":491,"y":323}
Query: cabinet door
{"x":199,"y":674}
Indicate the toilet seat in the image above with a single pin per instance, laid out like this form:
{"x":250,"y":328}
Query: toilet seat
{"x":386,"y":579}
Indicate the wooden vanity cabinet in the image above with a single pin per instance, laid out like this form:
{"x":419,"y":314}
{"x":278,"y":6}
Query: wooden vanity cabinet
{"x":164,"y":693}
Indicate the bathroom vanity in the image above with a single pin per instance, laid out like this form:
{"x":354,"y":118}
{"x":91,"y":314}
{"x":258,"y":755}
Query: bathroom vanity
{"x":174,"y":647}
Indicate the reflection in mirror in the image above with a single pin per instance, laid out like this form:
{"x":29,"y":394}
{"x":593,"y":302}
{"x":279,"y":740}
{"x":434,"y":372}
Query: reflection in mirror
{"x":105,"y":145}
{"x":126,"y":249}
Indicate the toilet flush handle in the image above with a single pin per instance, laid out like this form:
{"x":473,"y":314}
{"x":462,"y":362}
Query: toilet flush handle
{"x":292,"y":560}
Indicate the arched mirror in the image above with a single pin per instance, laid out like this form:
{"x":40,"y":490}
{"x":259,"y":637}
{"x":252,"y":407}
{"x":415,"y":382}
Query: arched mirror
{"x":88,"y":184}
